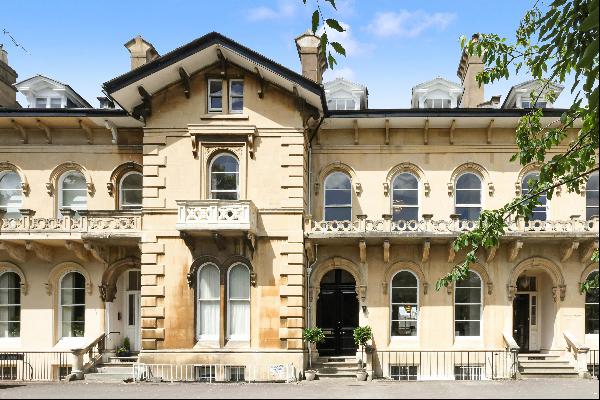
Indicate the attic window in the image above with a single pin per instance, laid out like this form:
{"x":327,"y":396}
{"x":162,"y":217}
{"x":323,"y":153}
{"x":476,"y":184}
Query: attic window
{"x":341,"y":104}
{"x":538,"y":104}
{"x":55,"y":102}
{"x":437,"y":103}
{"x":40,"y":102}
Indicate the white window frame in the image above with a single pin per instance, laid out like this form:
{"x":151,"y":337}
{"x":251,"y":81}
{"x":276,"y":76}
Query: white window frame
{"x":129,"y":207}
{"x":209,"y":96}
{"x":391,"y":286}
{"x":60,"y":308}
{"x":325,"y":206}
{"x":434,"y":99}
{"x":584,"y":313}
{"x":35,"y":102}
{"x":454,"y":304}
{"x":547,"y":206}
{"x":418,"y":189}
{"x":19,"y":188}
{"x":207,"y":338}
{"x":590,"y":190}
{"x":210,"y":172}
{"x":9,"y":305}
{"x":60,"y":191}
{"x":230,"y":96}
{"x":49,"y":104}
{"x":481,"y":192}
{"x":230,"y":336}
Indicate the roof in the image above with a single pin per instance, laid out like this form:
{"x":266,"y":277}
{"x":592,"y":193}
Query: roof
{"x":78,"y":99}
{"x":439,"y":112}
{"x":439,"y":79}
{"x":532,"y":82}
{"x":162,"y":71}
{"x":343,"y":82}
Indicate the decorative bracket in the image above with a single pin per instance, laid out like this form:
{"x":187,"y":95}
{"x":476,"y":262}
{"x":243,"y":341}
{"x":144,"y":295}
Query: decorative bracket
{"x":511,"y":291}
{"x":452,"y":128}
{"x":42,"y":251}
{"x":88,"y":131}
{"x":513,"y":250}
{"x":15,"y":251}
{"x":426,"y":250}
{"x":426,"y":132}
{"x":426,"y":189}
{"x":78,"y":249}
{"x":222,"y":61}
{"x":386,"y":251}
{"x":100,"y":253}
{"x":567,"y":250}
{"x":362,"y":250}
{"x":386,"y":188}
{"x":21,"y":129}
{"x":185,"y":81}
{"x":262,"y":83}
{"x":490,"y":131}
{"x":355,"y":124}
{"x":586,"y":251}
{"x":46,"y":130}
{"x":114,"y":131}
{"x":490,"y":253}
{"x":387,"y":131}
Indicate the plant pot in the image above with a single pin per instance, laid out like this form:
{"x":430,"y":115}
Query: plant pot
{"x":361,"y":375}
{"x":310,"y":374}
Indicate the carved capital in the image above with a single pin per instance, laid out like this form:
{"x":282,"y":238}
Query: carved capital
{"x":513,"y":250}
{"x":362,"y":249}
{"x":107,"y":292}
{"x":511,"y":291}
{"x":77,"y":249}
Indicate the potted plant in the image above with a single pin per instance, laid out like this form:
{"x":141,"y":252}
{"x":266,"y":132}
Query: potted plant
{"x":312,"y":335}
{"x":362,"y":335}
{"x":125,"y":349}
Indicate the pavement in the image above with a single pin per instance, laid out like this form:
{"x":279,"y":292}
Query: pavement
{"x":531,"y":388}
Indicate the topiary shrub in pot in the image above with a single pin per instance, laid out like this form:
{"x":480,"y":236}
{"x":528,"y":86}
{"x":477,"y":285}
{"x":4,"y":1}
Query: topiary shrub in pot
{"x":312,"y":335}
{"x":362,"y":335}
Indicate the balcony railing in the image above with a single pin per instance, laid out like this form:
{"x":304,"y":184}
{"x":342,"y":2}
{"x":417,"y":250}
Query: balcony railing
{"x":428,"y":227}
{"x":216,"y":215}
{"x":98,"y":222}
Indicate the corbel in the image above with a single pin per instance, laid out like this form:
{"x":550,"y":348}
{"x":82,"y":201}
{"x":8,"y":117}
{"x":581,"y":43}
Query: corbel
{"x":111,"y":188}
{"x":195,"y":146}
{"x":426,"y":189}
{"x":146,"y":102}
{"x":113,"y":130}
{"x":21,"y":129}
{"x":358,"y":188}
{"x":490,"y":131}
{"x":309,"y":247}
{"x":558,"y":292}
{"x":425,"y":287}
{"x":362,"y":250}
{"x":517,"y":188}
{"x":253,"y":279}
{"x":450,"y":186}
{"x":425,"y":251}
{"x":387,"y":131}
{"x":490,"y":288}
{"x":15,"y":251}
{"x":513,"y":250}
{"x":98,"y":252}
{"x":222,"y":61}
{"x":355,"y":123}
{"x":42,"y":251}
{"x":78,"y":249}
{"x":567,"y":250}
{"x":426,"y":132}
{"x":386,"y":251}
{"x":451,"y":252}
{"x":250,"y":239}
{"x":491,"y":189}
{"x":586,"y":251}
{"x":219,"y":240}
{"x":46,"y":130}
{"x":48,"y":287}
{"x":452,"y":128}
{"x":317,"y":187}
{"x":490,"y":253}
{"x":262,"y":83}
{"x":251,"y":144}
{"x":50,"y":188}
{"x":386,"y":188}
{"x":88,"y":131}
{"x":511,"y":291}
{"x":188,"y":240}
{"x":185,"y":81}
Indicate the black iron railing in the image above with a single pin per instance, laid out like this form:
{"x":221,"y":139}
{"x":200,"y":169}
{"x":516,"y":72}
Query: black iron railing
{"x":443,"y":365}
{"x":593,"y":362}
{"x":34,"y":365}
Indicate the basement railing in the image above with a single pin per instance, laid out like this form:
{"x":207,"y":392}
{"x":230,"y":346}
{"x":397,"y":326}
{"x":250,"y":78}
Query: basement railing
{"x":34,"y":365}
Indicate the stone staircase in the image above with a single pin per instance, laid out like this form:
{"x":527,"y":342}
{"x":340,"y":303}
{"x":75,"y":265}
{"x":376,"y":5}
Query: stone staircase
{"x":336,"y":367}
{"x":545,"y":366}
{"x":117,"y":369}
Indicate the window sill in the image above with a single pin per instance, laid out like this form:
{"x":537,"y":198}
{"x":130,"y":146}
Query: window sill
{"x":237,"y":344}
{"x":221,"y":116}
{"x":207,"y":344}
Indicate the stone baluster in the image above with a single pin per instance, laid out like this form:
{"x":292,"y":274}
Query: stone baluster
{"x":362,"y":222}
{"x":27,"y":215}
{"x":387,"y":222}
{"x":428,"y":227}
{"x":455,"y":222}
{"x":67,"y":220}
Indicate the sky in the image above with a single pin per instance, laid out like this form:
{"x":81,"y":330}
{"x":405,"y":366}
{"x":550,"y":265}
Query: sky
{"x":391,"y":45}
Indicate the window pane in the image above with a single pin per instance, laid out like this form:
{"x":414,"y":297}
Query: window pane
{"x":404,"y":328}
{"x":224,"y":181}
{"x":592,"y":183}
{"x":237,"y":104}
{"x":467,"y":328}
{"x":404,"y":295}
{"x":225,"y":163}
{"x":74,"y":180}
{"x":237,"y":88}
{"x":132,"y":181}
{"x":131,"y":197}
{"x":468,"y":213}
{"x":350,"y":104}
{"x":216,"y":88}
{"x":468,"y":197}
{"x":404,"y":279}
{"x":74,"y":198}
{"x":406,"y":197}
{"x":406,"y":214}
{"x":239,"y":282}
{"x":55,"y":102}
{"x":468,"y":295}
{"x":209,"y":283}
{"x":337,"y":180}
{"x":40,"y":102}
{"x":338,"y":213}
{"x":209,"y":318}
{"x":225,"y":195}
{"x":406,"y":181}
{"x":468,"y":181}
{"x":472,"y":281}
{"x":216,"y":103}
{"x":134,"y":280}
{"x":336,"y":196}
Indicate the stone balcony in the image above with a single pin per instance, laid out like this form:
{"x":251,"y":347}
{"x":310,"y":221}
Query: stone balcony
{"x":225,"y":217}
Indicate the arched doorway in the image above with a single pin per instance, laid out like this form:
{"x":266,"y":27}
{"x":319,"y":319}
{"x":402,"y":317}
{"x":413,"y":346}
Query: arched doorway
{"x":337,"y":313}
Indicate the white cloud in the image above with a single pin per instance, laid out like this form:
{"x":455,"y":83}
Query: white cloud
{"x":284,"y":9}
{"x":353,"y":47}
{"x":408,"y":23}
{"x":345,"y":72}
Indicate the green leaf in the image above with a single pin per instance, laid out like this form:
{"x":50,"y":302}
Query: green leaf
{"x":333,"y":24}
{"x":332,"y":2}
{"x":590,"y":22}
{"x":338,"y":48}
{"x":315,"y":21}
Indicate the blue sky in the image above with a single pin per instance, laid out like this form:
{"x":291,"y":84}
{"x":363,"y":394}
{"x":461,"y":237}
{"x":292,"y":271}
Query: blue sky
{"x":391,"y":45}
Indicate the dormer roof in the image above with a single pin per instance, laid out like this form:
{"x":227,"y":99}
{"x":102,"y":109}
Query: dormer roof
{"x":437,"y":84}
{"x":526,"y":88}
{"x":40,"y":83}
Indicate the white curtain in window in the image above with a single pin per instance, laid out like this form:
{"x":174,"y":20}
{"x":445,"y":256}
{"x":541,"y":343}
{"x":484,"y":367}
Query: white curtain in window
{"x":208,"y":302}
{"x":11,"y":194}
{"x":239,"y":302}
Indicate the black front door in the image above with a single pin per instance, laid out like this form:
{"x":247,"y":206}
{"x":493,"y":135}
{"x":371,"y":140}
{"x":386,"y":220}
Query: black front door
{"x":521,"y":321}
{"x":337,"y":313}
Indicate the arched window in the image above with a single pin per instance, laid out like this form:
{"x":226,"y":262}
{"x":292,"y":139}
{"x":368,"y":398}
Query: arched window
{"x":130,"y":191}
{"x":591,"y":307}
{"x":209,"y":302}
{"x":72,"y":305}
{"x":467,"y":196}
{"x":72,"y":191}
{"x":238,"y":302}
{"x":10,"y":305}
{"x":468,"y":306}
{"x":11,"y":193}
{"x":404,"y":304}
{"x":591,"y":196}
{"x":225,"y":177}
{"x":540,"y":212}
{"x":405,"y":197}
{"x":338,"y":197}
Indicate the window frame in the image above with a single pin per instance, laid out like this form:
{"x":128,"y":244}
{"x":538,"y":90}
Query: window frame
{"x":230,"y":96}
{"x":60,"y":306}
{"x":434,"y":99}
{"x":325,"y":206}
{"x":208,"y":338}
{"x":418,"y":190}
{"x":586,"y":196}
{"x":481,"y":193}
{"x":391,"y":305}
{"x":135,"y":207}
{"x":19,"y":188}
{"x":209,"y":96}
{"x":210,"y":172}
{"x":10,"y":305}
{"x":229,"y":336}
{"x":546,"y":206}
{"x":585,"y":314}
{"x":481,"y":305}
{"x":60,"y":190}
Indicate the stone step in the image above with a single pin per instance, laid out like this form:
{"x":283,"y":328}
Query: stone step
{"x":538,"y":356}
{"x":546,"y":376}
{"x":112,"y":369}
{"x":354,"y":363}
{"x":95,"y":377}
{"x":549,"y":371}
{"x":544,"y":364}
{"x":336,"y":375}
{"x":335,"y":370}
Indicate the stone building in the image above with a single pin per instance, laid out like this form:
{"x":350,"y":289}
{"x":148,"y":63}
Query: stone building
{"x":223,"y":207}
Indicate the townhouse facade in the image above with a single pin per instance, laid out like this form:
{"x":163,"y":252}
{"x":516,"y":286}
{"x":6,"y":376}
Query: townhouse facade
{"x":218,"y":203}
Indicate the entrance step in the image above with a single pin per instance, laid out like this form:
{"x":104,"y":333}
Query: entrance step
{"x":117,"y":369}
{"x":336,"y":367}
{"x":545,"y":366}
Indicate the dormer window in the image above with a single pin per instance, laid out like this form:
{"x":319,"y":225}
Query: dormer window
{"x":538,"y":104}
{"x":341,"y":104}
{"x":41,"y":102}
{"x":438,"y":103}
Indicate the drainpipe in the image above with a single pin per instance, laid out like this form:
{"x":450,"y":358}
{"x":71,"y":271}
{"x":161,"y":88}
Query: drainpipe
{"x":309,"y":269}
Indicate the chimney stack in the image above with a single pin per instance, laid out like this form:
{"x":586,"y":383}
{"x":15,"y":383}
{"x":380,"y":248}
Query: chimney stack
{"x":311,"y":56}
{"x":8,"y":77}
{"x":468,"y":68}
{"x":141,"y":51}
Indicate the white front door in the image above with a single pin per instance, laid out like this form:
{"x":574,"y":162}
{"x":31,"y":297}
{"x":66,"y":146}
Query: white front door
{"x":534,"y":323}
{"x":131,"y":303}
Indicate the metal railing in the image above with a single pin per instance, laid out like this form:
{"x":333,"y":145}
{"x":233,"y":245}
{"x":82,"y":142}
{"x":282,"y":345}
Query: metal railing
{"x":592,"y":362}
{"x":34,"y":365}
{"x":211,"y":373}
{"x":443,"y":365}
